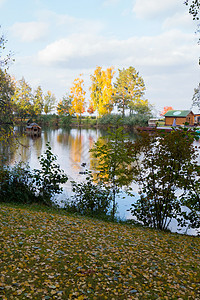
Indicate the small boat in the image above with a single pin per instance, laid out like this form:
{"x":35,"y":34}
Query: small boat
{"x":33,"y":129}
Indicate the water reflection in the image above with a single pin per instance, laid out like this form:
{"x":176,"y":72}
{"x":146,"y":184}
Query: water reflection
{"x":6,"y":152}
{"x":71,"y":147}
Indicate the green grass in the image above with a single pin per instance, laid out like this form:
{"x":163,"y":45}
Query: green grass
{"x":48,"y":254}
{"x":161,"y":123}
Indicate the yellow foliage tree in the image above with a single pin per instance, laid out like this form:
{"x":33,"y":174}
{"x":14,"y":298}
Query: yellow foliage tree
{"x":78,"y":98}
{"x":102,"y":90}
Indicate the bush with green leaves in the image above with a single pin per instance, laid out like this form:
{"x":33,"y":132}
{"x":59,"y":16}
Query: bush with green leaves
{"x":165,"y":170}
{"x":110,"y":119}
{"x":190,"y":197}
{"x":17,"y":184}
{"x":89,"y":198}
{"x":47,"y":120}
{"x":132,"y":120}
{"x":136,"y":120}
{"x":65,"y":121}
{"x":49,"y":177}
{"x":20,"y":184}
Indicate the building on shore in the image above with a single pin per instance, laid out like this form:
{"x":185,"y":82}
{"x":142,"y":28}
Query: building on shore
{"x":33,"y":129}
{"x":179,"y":117}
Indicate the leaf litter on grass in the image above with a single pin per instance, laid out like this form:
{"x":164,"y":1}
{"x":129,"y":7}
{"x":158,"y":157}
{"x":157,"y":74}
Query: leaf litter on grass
{"x":52,"y":256}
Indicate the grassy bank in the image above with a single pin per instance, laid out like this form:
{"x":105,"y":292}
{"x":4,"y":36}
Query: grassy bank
{"x":52,"y":255}
{"x":87,"y":121}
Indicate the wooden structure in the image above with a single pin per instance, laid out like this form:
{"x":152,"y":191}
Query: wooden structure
{"x":33,"y":129}
{"x":154,"y":129}
{"x":197,"y":119}
{"x":179,"y":117}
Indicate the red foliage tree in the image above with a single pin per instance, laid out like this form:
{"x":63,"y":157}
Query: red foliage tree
{"x":91,"y":109}
{"x":165,"y":110}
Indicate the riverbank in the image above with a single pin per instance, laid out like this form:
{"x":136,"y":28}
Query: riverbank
{"x":49,"y":254}
{"x":111,"y":120}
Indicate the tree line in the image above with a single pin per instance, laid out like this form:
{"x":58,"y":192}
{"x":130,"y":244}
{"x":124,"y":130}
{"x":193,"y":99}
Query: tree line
{"x":126,"y":93}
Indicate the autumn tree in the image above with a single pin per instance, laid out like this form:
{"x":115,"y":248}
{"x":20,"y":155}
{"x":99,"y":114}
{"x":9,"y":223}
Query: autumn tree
{"x":90,"y":109}
{"x":165,"y":110}
{"x":2,"y":43}
{"x":168,"y":178}
{"x":38,"y":101}
{"x":4,"y":59}
{"x":6,"y":85}
{"x":129,"y":88}
{"x":64,"y":105}
{"x":196,"y":97}
{"x":102,"y":90}
{"x":6,"y":93}
{"x":194,"y":10}
{"x":49,"y":102}
{"x":6,"y":108}
{"x":78,"y":98}
{"x":22,"y":99}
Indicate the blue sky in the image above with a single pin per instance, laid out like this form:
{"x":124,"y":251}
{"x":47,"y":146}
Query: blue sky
{"x":55,"y":41}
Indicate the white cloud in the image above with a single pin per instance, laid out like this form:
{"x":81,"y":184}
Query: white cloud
{"x":79,"y":25}
{"x":78,"y":50}
{"x":30,"y":31}
{"x":154,"y":8}
{"x":168,"y":50}
{"x":167,"y":62}
{"x":65,"y":24}
{"x":179,"y":20}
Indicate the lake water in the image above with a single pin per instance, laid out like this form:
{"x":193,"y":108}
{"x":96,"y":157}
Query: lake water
{"x":72,"y":149}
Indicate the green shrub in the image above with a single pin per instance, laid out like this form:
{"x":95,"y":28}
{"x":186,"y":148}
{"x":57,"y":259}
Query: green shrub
{"x":93,"y":122}
{"x":110,"y":119}
{"x":136,"y":120}
{"x":89,"y":198}
{"x":17,"y":184}
{"x":133,"y":120}
{"x":20,"y":184}
{"x":50,"y":120}
{"x":167,"y":172}
{"x":49,"y":178}
{"x":65,"y":121}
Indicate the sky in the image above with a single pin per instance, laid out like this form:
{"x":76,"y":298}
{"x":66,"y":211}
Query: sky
{"x":53,"y":42}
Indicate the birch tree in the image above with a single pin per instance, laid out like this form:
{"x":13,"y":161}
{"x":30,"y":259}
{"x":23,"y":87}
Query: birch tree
{"x":196,"y":97}
{"x":22,"y":99}
{"x":78,"y":98}
{"x":49,"y":102}
{"x":102,"y":91}
{"x":38,"y":101}
{"x":129,"y":88}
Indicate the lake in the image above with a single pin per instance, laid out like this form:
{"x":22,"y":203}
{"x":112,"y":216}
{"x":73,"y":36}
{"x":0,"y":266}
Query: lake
{"x":72,"y":149}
